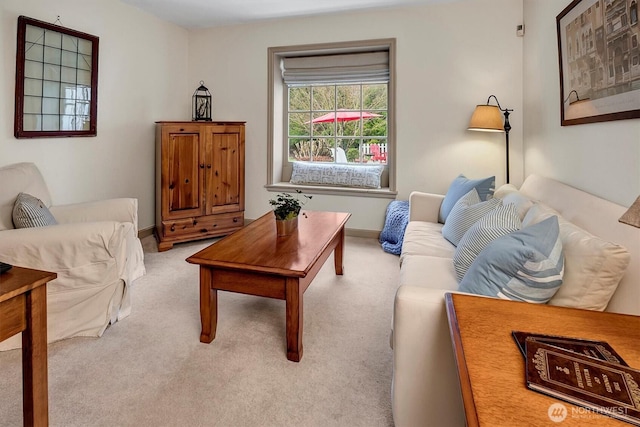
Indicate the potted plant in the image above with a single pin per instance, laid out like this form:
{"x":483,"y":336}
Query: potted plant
{"x":286,"y":209}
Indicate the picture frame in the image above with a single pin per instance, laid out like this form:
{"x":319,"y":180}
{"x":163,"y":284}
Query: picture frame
{"x":599,"y":58}
{"x":56,"y":81}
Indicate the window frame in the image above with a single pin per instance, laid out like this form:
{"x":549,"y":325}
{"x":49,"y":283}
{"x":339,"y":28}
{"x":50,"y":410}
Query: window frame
{"x":278,"y":165}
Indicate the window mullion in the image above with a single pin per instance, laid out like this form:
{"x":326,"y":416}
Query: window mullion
{"x":335,"y":123}
{"x":361,"y":116}
{"x":311,"y":123}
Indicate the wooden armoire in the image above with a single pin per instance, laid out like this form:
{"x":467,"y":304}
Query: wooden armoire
{"x":199,"y":180}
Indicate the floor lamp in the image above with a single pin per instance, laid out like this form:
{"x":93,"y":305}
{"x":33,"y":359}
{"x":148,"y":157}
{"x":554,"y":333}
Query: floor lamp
{"x":487,"y":118}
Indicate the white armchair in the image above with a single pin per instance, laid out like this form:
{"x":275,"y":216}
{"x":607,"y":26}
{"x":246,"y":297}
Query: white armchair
{"x":94,"y":249}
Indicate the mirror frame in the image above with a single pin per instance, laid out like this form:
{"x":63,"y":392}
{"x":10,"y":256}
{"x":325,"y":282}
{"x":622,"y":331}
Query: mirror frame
{"x":19,"y":130}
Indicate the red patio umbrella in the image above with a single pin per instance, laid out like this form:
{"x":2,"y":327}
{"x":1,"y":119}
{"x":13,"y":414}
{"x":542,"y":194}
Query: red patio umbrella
{"x":343,"y":116}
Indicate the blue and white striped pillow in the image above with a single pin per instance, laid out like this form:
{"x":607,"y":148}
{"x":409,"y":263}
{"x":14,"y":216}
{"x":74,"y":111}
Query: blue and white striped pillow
{"x":467,"y":210}
{"x":526,"y":265}
{"x":461,"y":186}
{"x":500,"y":221}
{"x":29,"y":211}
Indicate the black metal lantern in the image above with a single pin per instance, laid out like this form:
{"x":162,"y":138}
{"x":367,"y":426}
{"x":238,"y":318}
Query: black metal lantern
{"x":202,"y":104}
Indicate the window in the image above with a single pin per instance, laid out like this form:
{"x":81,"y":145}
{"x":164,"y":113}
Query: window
{"x":332,"y":103}
{"x":340,"y":123}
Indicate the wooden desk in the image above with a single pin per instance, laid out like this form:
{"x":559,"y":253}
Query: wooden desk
{"x":23,"y":308}
{"x":492,"y":371}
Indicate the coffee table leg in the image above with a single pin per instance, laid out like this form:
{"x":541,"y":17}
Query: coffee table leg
{"x":294,"y":319}
{"x":208,"y":306}
{"x":337,"y":254}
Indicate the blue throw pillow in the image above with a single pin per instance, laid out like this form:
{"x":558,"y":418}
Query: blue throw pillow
{"x":461,"y":186}
{"x":466,"y":212}
{"x":500,"y":221}
{"x":526,"y":265}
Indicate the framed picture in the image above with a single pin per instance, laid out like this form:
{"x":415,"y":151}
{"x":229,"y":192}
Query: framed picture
{"x":599,"y":53}
{"x":56,"y":81}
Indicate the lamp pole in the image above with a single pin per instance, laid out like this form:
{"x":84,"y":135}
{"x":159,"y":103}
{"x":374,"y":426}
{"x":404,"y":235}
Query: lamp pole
{"x":507,"y":128}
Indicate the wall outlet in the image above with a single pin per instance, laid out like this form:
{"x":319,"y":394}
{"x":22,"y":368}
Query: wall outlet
{"x":520,"y":30}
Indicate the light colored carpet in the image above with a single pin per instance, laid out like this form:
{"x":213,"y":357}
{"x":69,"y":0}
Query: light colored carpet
{"x":151,"y":370}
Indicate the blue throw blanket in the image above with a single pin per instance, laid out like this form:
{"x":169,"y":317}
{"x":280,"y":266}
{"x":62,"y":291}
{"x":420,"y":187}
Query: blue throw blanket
{"x":395,"y":223}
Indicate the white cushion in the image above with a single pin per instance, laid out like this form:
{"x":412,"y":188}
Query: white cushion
{"x":508,"y":193}
{"x":503,"y":190}
{"x":593,"y":266}
{"x":428,"y":272}
{"x":425,"y":238}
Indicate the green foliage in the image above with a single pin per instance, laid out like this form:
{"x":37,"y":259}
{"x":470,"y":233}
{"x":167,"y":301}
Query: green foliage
{"x":352,"y":154}
{"x":286,"y":206}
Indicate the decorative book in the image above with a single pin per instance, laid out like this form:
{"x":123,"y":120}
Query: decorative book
{"x":596,"y":349}
{"x":604,"y":387}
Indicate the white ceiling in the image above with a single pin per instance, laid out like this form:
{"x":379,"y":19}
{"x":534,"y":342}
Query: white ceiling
{"x":211,"y":13}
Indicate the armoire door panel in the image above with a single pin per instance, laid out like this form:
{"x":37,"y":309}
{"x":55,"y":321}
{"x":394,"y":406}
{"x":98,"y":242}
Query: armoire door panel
{"x":183,"y":175}
{"x":224,"y":183}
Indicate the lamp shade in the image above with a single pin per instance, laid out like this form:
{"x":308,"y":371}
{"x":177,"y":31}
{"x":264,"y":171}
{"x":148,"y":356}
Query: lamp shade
{"x":486,"y":118}
{"x":632,"y":216}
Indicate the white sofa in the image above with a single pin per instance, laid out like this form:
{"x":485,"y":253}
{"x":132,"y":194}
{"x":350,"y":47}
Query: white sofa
{"x":425,"y":388}
{"x":94,"y":249}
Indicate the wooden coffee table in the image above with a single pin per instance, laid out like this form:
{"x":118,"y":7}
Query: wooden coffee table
{"x":255,"y":261}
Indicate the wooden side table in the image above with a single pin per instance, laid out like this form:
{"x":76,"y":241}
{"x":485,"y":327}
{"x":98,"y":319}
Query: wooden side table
{"x":23,"y":308}
{"x":491,"y":369}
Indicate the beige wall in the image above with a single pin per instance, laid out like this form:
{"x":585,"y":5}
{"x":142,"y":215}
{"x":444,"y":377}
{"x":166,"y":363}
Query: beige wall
{"x":142,"y":78}
{"x":601,"y":158}
{"x":450,"y":57}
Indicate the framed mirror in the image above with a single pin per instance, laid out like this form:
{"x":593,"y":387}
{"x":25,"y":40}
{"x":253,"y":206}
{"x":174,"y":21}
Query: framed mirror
{"x":56,"y":81}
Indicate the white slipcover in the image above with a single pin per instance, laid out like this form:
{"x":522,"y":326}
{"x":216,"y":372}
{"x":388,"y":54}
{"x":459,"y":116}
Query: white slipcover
{"x":94,"y":249}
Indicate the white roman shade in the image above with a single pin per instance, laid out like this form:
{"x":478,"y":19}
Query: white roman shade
{"x":336,"y":68}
